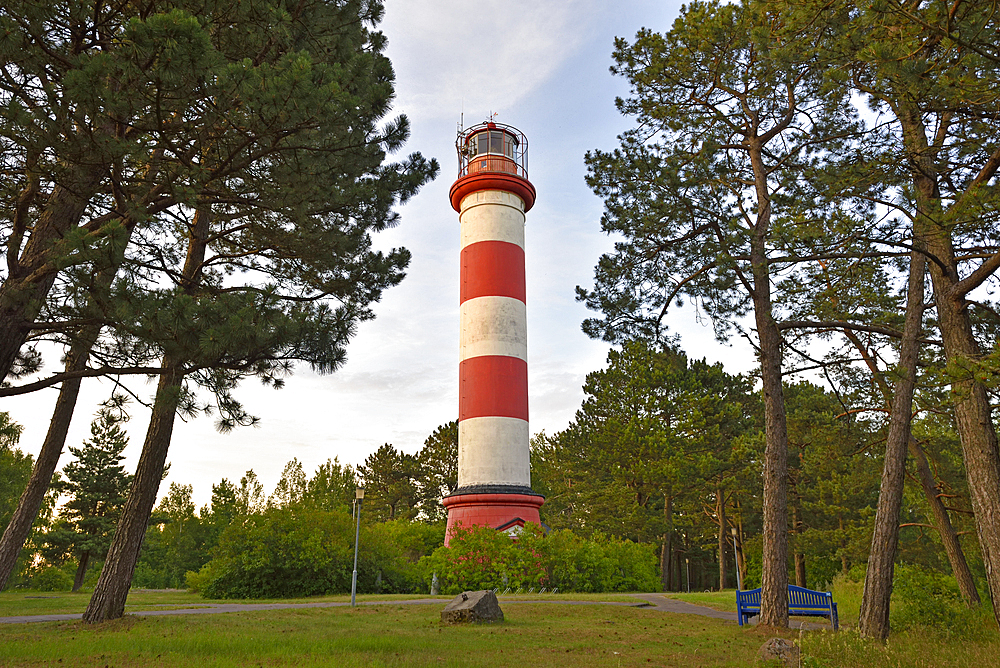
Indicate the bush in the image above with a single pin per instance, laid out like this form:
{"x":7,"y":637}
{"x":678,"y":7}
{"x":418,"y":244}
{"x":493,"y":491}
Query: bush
{"x":483,"y":558}
{"x":924,"y":598}
{"x":51,"y":578}
{"x":196,"y":581}
{"x":302,"y":551}
{"x":753,"y":555}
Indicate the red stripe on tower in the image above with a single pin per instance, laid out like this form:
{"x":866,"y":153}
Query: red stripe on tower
{"x":493,"y":386}
{"x":493,"y":269}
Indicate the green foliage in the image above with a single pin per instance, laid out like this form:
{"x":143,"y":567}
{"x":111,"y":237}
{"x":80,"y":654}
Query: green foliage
{"x":15,"y":468}
{"x":283,"y":552}
{"x":834,"y":474}
{"x":51,"y":578}
{"x":391,"y":487}
{"x":599,"y":564}
{"x":96,"y":484}
{"x":304,"y":551}
{"x":196,"y":581}
{"x":925,"y":598}
{"x":658,"y":438}
{"x":332,"y":486}
{"x":484,"y":558}
{"x":438,"y":464}
{"x":176,"y":541}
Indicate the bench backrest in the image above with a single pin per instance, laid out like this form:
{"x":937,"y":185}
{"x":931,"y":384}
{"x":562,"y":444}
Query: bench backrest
{"x":798,"y":597}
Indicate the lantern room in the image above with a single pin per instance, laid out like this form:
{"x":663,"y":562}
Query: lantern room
{"x":492,"y":156}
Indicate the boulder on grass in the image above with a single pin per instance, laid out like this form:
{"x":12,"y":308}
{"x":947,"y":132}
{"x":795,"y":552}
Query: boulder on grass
{"x":473,"y":606}
{"x":781,"y":650}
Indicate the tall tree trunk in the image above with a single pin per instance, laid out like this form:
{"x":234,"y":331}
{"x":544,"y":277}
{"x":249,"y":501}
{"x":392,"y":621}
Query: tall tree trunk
{"x":975,"y":427}
{"x":973,"y":413}
{"x":774,"y":569}
{"x":844,"y":565}
{"x":31,"y":274}
{"x":949,"y":537}
{"x":720,"y":501}
{"x":81,"y":571}
{"x":108,"y":600}
{"x":774,"y":575}
{"x":874,"y":619}
{"x":31,"y":500}
{"x":800,"y":559}
{"x":942,"y":521}
{"x":741,"y":559}
{"x":666,"y":551}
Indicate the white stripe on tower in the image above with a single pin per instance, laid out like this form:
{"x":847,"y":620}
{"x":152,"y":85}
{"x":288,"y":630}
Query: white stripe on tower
{"x":493,"y":407}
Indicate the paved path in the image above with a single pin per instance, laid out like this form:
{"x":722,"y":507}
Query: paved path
{"x":651,"y":601}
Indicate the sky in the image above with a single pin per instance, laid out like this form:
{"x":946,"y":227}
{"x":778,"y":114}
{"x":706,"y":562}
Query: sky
{"x":541,"y":66}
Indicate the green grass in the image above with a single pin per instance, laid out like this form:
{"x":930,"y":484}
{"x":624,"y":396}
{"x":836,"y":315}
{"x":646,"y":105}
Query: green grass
{"x":51,"y":603}
{"x":535,"y":634}
{"x":412,"y":635}
{"x":724,"y":600}
{"x":919,"y":648}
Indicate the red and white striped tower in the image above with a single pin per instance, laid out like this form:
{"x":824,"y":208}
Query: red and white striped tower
{"x":492,"y":194}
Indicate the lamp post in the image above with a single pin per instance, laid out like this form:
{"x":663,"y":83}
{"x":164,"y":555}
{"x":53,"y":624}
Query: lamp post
{"x":359,"y":496}
{"x":687,"y":568}
{"x":736,"y":554}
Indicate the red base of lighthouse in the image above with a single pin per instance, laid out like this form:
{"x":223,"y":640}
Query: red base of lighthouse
{"x":500,"y":511}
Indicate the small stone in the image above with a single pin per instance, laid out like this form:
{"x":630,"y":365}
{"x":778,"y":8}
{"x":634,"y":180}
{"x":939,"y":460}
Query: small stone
{"x":473,"y":606}
{"x":781,"y":650}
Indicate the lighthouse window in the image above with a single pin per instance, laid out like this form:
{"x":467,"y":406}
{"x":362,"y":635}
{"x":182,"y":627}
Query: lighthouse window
{"x":496,"y":142}
{"x":493,"y":142}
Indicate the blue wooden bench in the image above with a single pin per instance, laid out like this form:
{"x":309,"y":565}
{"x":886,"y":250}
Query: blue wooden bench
{"x":802,"y":602}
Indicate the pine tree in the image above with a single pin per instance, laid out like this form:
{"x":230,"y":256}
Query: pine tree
{"x":269,"y":118}
{"x":726,"y":126}
{"x":15,"y":467}
{"x":437,"y":463}
{"x":332,"y":486}
{"x":97,"y":485}
{"x":389,"y":478}
{"x":930,"y":72}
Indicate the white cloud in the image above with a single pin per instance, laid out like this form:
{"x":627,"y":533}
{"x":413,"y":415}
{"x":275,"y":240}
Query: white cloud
{"x":485,"y":56}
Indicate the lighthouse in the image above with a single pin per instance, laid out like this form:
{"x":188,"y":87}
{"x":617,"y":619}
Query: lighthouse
{"x":492,"y":195}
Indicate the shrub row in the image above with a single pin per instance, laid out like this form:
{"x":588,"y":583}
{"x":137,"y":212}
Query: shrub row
{"x":482,"y":558}
{"x":301,"y":551}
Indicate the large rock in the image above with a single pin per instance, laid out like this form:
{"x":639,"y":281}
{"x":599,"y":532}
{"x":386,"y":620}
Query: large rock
{"x":781,"y":650}
{"x":472,"y":606}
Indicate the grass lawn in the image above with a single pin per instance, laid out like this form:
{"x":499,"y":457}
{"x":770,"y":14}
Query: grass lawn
{"x":46,"y":603}
{"x":412,"y":635}
{"x":50,"y":603}
{"x":536,"y":635}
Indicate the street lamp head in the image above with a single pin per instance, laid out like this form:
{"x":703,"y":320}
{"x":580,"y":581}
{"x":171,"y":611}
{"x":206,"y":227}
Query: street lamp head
{"x":359,"y":493}
{"x":733,"y":529}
